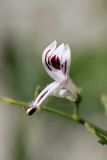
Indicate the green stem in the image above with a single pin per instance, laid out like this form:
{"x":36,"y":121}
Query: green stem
{"x":77,"y":119}
{"x":100,"y":133}
{"x":13,"y":102}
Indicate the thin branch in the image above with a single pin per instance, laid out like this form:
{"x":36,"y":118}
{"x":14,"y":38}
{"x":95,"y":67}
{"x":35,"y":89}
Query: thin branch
{"x":13,"y":102}
{"x":77,"y":119}
{"x":97,"y":131}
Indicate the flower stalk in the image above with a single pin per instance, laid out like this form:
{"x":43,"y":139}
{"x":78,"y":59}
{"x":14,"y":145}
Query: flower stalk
{"x":90,"y":127}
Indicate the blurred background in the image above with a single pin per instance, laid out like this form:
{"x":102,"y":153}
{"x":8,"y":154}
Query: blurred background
{"x":26,"y":28}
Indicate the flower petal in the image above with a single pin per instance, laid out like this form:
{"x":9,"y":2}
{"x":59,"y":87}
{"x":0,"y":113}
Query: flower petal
{"x":51,"y":61}
{"x":45,"y":94}
{"x":66,"y":59}
{"x":73,"y":90}
{"x":46,"y":53}
{"x":57,"y":61}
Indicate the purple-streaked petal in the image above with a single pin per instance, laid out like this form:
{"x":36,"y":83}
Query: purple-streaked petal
{"x":45,"y":94}
{"x":56,"y":61}
{"x":47,"y":52}
{"x":46,"y":57}
{"x":66,"y":58}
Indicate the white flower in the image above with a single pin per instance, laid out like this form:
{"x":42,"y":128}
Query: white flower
{"x":56,"y":62}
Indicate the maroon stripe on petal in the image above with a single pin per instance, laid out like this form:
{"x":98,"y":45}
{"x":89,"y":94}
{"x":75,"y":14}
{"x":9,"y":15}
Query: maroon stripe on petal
{"x":42,"y":96}
{"x":47,"y":64}
{"x":55,"y":61}
{"x":65,"y":69}
{"x":49,"y":60}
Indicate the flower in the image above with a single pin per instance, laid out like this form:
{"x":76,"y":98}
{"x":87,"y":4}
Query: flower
{"x":56,"y":62}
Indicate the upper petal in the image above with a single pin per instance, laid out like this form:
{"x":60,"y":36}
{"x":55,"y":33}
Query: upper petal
{"x":46,"y":56}
{"x":56,"y":61}
{"x":67,"y":58}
